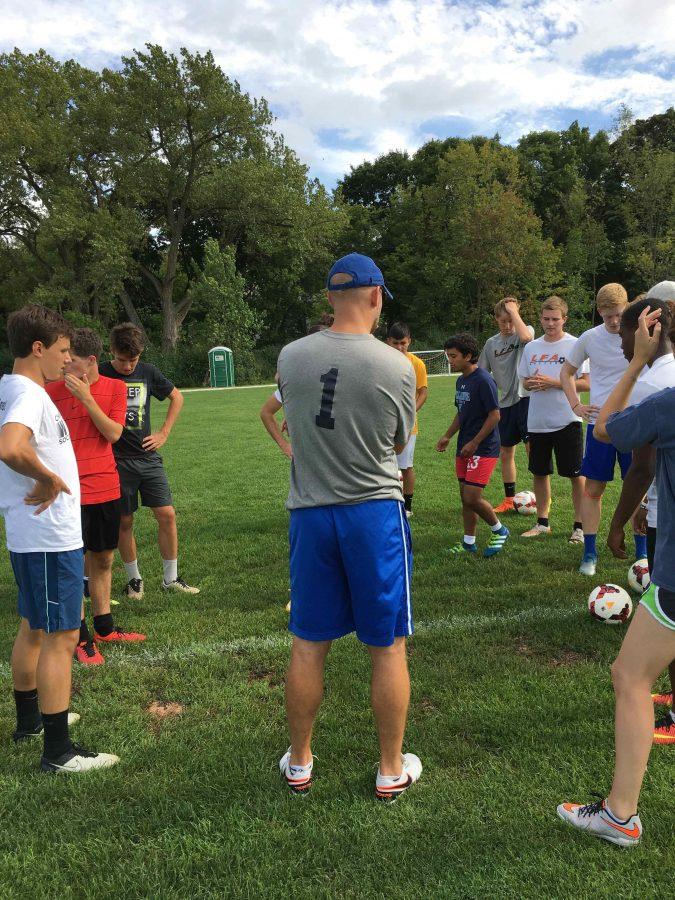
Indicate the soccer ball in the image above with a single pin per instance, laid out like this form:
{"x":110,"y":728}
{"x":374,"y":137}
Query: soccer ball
{"x":638,"y":576}
{"x":525,"y":503}
{"x":610,"y":604}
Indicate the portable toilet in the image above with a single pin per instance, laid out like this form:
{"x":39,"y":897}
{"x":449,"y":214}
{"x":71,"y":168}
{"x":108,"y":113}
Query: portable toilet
{"x":221,"y":367}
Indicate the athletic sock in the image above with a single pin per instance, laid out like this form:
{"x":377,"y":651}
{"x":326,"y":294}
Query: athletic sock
{"x":640,"y":546}
{"x":132,"y":571}
{"x":57,"y":740}
{"x":85,"y":586}
{"x":407,"y":501}
{"x":103,"y":625}
{"x":589,"y":544}
{"x":84,"y":632}
{"x":27,"y":710}
{"x":469,"y":539}
{"x":170,"y":570}
{"x":543,"y":520}
{"x":497,"y":526}
{"x":579,"y":526}
{"x":509,"y":489}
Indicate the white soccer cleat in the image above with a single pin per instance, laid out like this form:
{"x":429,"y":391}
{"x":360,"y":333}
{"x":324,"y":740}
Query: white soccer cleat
{"x":577,"y":536}
{"x":77,"y":760}
{"x":596,"y":819}
{"x":588,"y":564}
{"x":537,"y":531}
{"x":134,"y":589}
{"x":298,"y":778}
{"x":390,"y":789}
{"x":179,"y":585}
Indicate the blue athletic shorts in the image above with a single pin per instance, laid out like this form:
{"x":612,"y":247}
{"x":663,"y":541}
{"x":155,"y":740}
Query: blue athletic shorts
{"x":50,"y":589}
{"x":600,"y":459}
{"x":351,"y":569}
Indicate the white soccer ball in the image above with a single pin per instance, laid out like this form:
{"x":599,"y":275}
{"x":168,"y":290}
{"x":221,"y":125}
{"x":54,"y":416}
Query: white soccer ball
{"x":525,"y":503}
{"x":638,"y":576}
{"x":610,"y":604}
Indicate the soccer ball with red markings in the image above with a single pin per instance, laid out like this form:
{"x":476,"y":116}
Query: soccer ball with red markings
{"x":638,"y":576}
{"x":610,"y":604}
{"x":525,"y":503}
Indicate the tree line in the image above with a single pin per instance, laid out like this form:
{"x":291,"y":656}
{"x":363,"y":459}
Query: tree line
{"x":160,"y":192}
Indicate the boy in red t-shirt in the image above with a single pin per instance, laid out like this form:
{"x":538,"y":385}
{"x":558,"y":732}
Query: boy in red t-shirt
{"x":94,"y":408}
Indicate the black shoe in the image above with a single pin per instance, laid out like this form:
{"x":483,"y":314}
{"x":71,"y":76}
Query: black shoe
{"x":78,"y":760}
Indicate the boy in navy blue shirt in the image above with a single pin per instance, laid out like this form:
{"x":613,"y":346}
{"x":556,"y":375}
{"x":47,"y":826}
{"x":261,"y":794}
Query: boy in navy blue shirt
{"x":478,"y":446}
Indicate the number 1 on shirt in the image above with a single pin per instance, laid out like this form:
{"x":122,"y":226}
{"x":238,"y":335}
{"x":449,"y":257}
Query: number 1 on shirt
{"x":325,"y":418}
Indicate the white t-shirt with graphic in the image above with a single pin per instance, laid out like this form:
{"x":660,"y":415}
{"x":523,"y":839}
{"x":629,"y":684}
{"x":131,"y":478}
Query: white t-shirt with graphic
{"x":58,"y":528}
{"x":603,"y":350}
{"x":549,"y":410}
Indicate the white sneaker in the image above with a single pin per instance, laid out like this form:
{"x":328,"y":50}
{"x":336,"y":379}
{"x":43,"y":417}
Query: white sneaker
{"x":134,"y":589}
{"x":577,"y":536}
{"x":588,"y":564}
{"x":298,"y":778}
{"x":537,"y":531}
{"x":78,"y":760}
{"x":598,"y":820}
{"x":179,"y":585}
{"x":390,"y":789}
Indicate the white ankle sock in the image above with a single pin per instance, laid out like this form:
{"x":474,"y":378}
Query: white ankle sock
{"x":496,"y":527}
{"x":132,"y":570}
{"x":170,"y":570}
{"x":469,"y":539}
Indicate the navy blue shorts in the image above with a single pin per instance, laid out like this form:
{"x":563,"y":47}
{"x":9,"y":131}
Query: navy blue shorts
{"x":513,"y":423}
{"x":600,"y":459}
{"x":351,"y":569}
{"x":50,"y":589}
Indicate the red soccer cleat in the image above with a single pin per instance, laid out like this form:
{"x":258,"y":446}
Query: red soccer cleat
{"x":118,"y":634}
{"x":663,"y":699}
{"x":88,"y":654}
{"x":506,"y":506}
{"x":664,"y":731}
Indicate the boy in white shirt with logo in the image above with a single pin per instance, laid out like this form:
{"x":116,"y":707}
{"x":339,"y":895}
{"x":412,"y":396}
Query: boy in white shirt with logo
{"x":552,"y":426}
{"x":40,"y":502}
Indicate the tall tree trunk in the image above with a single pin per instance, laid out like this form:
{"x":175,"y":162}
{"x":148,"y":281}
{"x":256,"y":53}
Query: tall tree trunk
{"x":130,"y":310}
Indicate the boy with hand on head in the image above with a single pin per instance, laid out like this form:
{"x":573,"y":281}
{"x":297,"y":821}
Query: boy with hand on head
{"x":552,"y":425}
{"x":500,"y":356}
{"x":398,"y":337}
{"x":601,"y":346}
{"x":477,"y":422}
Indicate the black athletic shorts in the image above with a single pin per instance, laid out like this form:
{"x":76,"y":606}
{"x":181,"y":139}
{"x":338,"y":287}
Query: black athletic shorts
{"x":513,"y":423}
{"x":144,"y":475}
{"x":101,"y":525}
{"x":651,"y":546}
{"x":567,"y":444}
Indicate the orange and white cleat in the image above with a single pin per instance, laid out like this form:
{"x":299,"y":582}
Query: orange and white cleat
{"x":664,"y":730}
{"x":389,"y":788}
{"x":119,"y":635}
{"x":662,"y":699}
{"x":88,"y":654}
{"x":298,"y":778}
{"x":596,"y":819}
{"x":506,"y":506}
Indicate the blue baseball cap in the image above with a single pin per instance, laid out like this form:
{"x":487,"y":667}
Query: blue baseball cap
{"x":363,"y":271}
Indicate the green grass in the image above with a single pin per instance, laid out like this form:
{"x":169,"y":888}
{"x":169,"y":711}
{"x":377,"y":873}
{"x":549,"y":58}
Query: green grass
{"x":512,"y":712}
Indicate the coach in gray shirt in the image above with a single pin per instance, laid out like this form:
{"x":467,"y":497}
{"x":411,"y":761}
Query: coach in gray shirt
{"x":349,"y":402}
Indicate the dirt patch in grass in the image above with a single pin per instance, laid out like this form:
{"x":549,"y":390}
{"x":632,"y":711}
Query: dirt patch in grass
{"x":262,"y":673}
{"x":165,"y":709}
{"x":553,"y":658}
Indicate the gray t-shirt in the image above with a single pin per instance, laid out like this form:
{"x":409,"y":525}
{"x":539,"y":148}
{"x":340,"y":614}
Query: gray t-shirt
{"x":500,"y":356}
{"x":348,"y":398}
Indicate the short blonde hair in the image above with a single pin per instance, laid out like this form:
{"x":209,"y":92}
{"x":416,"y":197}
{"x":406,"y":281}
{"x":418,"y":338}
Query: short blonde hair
{"x":642,"y":296}
{"x":555,"y":304}
{"x":500,"y":305}
{"x":611,"y":295}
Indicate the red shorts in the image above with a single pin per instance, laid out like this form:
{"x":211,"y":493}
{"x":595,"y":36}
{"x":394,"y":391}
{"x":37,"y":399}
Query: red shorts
{"x":476,"y":470}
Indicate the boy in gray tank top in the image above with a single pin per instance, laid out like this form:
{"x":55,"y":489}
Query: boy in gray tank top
{"x":349,"y":402}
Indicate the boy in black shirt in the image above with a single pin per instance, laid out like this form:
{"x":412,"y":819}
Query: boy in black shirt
{"x":140,"y":465}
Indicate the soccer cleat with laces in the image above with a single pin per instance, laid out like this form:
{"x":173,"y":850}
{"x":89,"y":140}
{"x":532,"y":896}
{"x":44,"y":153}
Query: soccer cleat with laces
{"x":134,"y":589}
{"x":298,"y":778}
{"x":179,"y":585}
{"x":577,"y":536}
{"x":506,"y":506}
{"x":663,"y":699}
{"x":78,"y":760}
{"x":18,"y":736}
{"x":537,"y":531}
{"x":596,"y":819}
{"x":88,"y":654}
{"x":497,"y":542}
{"x":119,"y":635}
{"x":664,"y":730}
{"x":588,"y":564}
{"x":460,"y":549}
{"x":389,"y":789}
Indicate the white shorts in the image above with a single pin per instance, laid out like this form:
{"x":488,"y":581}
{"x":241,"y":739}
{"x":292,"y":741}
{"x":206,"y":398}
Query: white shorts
{"x":405,"y":459}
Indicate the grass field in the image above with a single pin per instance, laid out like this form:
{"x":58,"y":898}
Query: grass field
{"x":512,"y":712}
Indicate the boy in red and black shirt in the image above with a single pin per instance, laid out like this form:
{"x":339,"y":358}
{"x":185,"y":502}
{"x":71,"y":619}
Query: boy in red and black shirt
{"x":94,"y":408}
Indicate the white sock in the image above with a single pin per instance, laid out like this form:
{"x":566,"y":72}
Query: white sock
{"x":497,"y":526}
{"x":170,"y":570}
{"x":469,"y":539}
{"x":132,"y":570}
{"x":672,"y":714}
{"x":389,"y":779}
{"x":299,"y":771}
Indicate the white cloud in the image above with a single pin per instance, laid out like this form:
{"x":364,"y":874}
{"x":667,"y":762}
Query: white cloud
{"x":377,"y":71}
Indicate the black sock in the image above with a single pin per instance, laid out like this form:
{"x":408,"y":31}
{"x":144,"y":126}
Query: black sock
{"x":103,"y":625}
{"x":407,"y":501}
{"x":542,"y":520}
{"x":57,"y":740}
{"x":85,"y":587}
{"x":509,"y":489}
{"x":579,"y":526}
{"x":27,"y":710}
{"x":84,"y":632}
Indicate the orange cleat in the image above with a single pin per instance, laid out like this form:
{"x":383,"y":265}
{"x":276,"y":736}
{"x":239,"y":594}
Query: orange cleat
{"x":88,"y":654}
{"x":663,"y":699}
{"x":506,"y":506}
{"x":117,"y":634}
{"x":664,"y":730}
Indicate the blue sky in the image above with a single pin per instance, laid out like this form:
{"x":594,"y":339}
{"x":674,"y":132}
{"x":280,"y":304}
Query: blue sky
{"x":350,"y":79}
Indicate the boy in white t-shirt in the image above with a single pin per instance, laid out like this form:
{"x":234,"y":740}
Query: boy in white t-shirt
{"x":601,"y":346}
{"x":40,"y":502}
{"x":552,"y":426}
